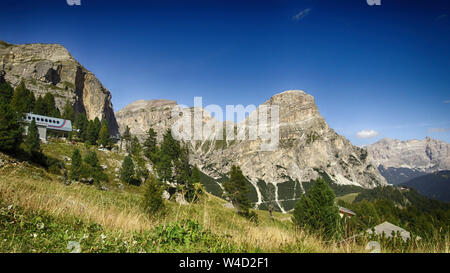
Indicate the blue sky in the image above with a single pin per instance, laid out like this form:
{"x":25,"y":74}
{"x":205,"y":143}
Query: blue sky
{"x":382,"y":71}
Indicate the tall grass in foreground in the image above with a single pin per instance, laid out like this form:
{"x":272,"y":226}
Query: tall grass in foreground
{"x":86,"y":214}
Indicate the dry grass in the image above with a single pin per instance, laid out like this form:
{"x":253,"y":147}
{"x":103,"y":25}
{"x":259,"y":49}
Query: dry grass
{"x":31,"y":188}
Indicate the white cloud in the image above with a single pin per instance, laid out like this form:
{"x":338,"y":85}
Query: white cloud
{"x":439,"y":130}
{"x":446,"y":101}
{"x":367,"y":134}
{"x":301,"y":14}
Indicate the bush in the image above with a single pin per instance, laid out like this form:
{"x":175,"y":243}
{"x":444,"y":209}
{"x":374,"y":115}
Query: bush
{"x":127,"y":171}
{"x":153,"y":201}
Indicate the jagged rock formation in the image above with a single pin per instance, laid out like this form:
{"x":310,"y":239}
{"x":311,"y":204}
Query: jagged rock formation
{"x":400,"y":161}
{"x":51,"y":68}
{"x":428,"y":155}
{"x":307,"y":146}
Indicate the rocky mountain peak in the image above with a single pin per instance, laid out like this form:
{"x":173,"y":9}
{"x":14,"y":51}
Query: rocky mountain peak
{"x":307,"y":147}
{"x":51,"y":68}
{"x":426,"y":155}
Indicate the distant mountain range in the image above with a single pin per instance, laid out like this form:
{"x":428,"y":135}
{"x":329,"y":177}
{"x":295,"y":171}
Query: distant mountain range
{"x":400,"y":161}
{"x":423,"y":165}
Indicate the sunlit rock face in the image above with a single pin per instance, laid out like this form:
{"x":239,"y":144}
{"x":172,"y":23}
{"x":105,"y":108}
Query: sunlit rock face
{"x":428,"y":155}
{"x":51,"y":68}
{"x":307,"y":146}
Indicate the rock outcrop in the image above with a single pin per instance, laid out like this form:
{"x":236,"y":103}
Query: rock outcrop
{"x":428,"y":155}
{"x":51,"y":68}
{"x":307,"y":146}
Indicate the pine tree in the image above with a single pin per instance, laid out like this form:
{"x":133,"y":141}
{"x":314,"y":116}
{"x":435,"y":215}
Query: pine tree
{"x":170,"y":146}
{"x":22,"y":100}
{"x":137,"y":155}
{"x":10,"y":128}
{"x":39,"y":107}
{"x":91,"y":159}
{"x":150,"y":145}
{"x":32,"y":142}
{"x":183,"y":173}
{"x":317,"y":211}
{"x":164,"y":168}
{"x":127,"y":138}
{"x":135,"y":146}
{"x":103,"y":136}
{"x":81,"y":124}
{"x":68,"y":112}
{"x":75,"y":168}
{"x":153,"y":201}
{"x":236,"y":190}
{"x":93,"y":131}
{"x":127,"y":170}
{"x":193,"y":191}
{"x":50,"y":106}
{"x":195,"y":176}
{"x":93,"y":168}
{"x":6,"y":93}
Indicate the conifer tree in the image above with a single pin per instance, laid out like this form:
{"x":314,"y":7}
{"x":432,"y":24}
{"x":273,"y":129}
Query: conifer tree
{"x":91,"y":133}
{"x":127,"y":170}
{"x":22,"y":100}
{"x":164,"y":168}
{"x":195,"y":176}
{"x":39,"y":107}
{"x":150,"y":146}
{"x":32,"y":142}
{"x":68,"y":112}
{"x":153,"y":200}
{"x":236,"y":190}
{"x":81,"y":125}
{"x":93,"y":168}
{"x":50,"y":106}
{"x":103,"y":135}
{"x":170,"y":146}
{"x":10,"y":128}
{"x":183,"y":173}
{"x":75,"y":168}
{"x":6,"y":92}
{"x":127,"y":138}
{"x":135,"y":146}
{"x":317,"y":211}
{"x":91,"y":159}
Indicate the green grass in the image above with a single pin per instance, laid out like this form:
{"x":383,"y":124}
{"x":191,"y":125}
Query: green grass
{"x":348,"y":198}
{"x":39,"y":213}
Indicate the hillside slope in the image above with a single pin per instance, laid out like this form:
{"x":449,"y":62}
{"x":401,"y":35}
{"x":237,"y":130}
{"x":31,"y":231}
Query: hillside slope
{"x":435,"y":185}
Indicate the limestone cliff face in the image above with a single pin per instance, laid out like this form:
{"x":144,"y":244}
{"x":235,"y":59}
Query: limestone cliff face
{"x":428,"y":155}
{"x":51,"y":68}
{"x":307,"y":145}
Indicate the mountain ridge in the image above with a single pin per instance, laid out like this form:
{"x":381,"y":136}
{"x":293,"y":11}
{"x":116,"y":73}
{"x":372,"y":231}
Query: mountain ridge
{"x":51,"y":68}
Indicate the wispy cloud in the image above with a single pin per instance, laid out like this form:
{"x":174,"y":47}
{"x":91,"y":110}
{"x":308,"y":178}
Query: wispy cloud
{"x":302,"y":14}
{"x":367,"y":134}
{"x":446,"y":101}
{"x":439,"y":130}
{"x":441,"y":17}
